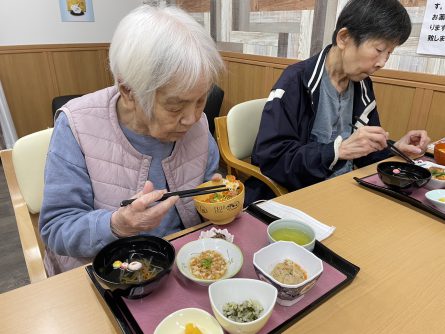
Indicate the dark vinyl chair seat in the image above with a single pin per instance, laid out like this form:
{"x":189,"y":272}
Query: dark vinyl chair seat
{"x":213,"y":106}
{"x":59,"y":101}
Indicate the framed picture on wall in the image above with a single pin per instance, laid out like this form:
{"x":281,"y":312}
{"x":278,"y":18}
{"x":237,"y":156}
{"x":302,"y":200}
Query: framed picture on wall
{"x":76,"y":10}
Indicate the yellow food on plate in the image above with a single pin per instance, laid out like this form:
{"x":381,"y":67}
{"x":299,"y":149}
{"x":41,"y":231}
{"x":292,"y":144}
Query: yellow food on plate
{"x":192,"y":329}
{"x":288,"y":272}
{"x":208,"y":265}
{"x":442,"y":199}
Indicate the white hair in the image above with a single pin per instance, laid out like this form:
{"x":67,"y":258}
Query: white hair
{"x":153,"y":47}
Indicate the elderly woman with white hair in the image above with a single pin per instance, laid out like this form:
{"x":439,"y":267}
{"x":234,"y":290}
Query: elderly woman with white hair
{"x":146,"y":134}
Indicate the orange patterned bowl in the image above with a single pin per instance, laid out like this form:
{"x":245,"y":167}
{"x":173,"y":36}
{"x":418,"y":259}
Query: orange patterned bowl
{"x":219,"y":213}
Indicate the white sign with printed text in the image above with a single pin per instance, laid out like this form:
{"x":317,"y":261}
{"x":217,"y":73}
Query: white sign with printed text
{"x":432,"y":35}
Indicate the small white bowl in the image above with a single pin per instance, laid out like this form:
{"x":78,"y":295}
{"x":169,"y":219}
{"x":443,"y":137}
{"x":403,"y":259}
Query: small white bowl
{"x":293,"y":225}
{"x":176,"y":322}
{"x":268,"y":257}
{"x":230,"y":251}
{"x":238,"y":290}
{"x":434,"y":195}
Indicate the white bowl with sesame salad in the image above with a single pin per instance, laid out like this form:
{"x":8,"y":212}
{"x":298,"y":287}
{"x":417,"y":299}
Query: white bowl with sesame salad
{"x":242,"y":305}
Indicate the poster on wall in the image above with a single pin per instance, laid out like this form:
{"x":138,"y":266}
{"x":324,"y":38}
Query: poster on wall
{"x":432,"y":35}
{"x":76,"y":10}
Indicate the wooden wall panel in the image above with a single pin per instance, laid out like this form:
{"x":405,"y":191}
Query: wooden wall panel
{"x":284,"y":5}
{"x":277,"y":74}
{"x":80,"y":72}
{"x":194,"y":6}
{"x":250,"y":77}
{"x":413,"y":3}
{"x":26,"y":80}
{"x":247,"y":82}
{"x":33,"y":75}
{"x":436,"y":116}
{"x":394,"y":107}
{"x":420,"y":108}
{"x":104,"y":63}
{"x":224,"y":85}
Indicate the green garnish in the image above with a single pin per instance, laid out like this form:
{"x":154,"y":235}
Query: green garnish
{"x":206,"y":263}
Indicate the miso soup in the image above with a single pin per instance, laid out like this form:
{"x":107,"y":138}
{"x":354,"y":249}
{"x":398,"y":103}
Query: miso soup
{"x":291,"y":234}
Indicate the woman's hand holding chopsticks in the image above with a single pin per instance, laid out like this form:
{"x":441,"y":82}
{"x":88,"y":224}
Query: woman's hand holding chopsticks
{"x":144,"y":214}
{"x":146,"y":210}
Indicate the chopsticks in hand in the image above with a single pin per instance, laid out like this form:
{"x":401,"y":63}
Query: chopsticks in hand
{"x":388,"y":142}
{"x":184,"y":193}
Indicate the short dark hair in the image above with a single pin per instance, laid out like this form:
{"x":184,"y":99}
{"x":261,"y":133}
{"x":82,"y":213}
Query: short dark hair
{"x":374,"y":19}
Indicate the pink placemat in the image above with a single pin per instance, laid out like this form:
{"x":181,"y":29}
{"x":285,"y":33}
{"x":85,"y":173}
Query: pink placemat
{"x":178,"y":292}
{"x":418,"y":193}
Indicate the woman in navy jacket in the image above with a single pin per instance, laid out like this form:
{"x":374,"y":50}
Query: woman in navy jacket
{"x":305,"y":135}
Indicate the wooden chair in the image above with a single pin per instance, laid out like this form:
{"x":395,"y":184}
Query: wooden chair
{"x":23,"y":166}
{"x":236,"y":134}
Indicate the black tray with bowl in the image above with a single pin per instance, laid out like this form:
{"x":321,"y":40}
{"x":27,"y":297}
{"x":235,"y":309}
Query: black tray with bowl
{"x":405,"y":185}
{"x":129,"y":324}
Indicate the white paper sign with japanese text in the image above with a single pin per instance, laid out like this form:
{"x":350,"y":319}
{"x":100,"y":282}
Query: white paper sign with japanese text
{"x":432,"y":35}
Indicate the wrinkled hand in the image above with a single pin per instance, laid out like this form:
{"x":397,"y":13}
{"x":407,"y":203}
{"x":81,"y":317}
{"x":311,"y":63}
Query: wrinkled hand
{"x":414,"y":143}
{"x":143,"y":214}
{"x":364,"y":140}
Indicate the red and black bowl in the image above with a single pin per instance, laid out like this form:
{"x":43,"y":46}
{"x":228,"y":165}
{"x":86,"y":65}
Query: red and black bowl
{"x":157,"y":255}
{"x":402,"y":175}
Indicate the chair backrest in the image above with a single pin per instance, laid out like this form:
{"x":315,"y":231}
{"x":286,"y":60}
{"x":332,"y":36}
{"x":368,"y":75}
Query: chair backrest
{"x":59,"y":101}
{"x":29,"y":157}
{"x":243,"y":122}
{"x":24,"y":166}
{"x":213,"y":106}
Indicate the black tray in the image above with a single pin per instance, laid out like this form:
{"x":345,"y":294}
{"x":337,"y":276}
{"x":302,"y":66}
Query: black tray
{"x":128,"y":324}
{"x":400,"y":196}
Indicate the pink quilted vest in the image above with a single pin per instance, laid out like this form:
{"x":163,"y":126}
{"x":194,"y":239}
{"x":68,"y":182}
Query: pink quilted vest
{"x":117,"y":171}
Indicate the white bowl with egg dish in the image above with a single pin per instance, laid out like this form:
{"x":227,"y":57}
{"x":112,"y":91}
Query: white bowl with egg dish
{"x":291,"y":268}
{"x":437,"y":198}
{"x":189,"y":320}
{"x":242,"y":305}
{"x":207,"y":260}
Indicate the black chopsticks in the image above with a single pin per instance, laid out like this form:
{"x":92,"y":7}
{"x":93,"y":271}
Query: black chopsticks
{"x":388,"y":142}
{"x":185,"y":193}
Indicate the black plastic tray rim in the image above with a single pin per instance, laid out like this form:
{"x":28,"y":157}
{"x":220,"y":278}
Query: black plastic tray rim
{"x":400,"y":196}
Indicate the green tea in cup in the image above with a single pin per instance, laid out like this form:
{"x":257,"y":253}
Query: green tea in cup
{"x":291,"y":234}
{"x":292,"y":230}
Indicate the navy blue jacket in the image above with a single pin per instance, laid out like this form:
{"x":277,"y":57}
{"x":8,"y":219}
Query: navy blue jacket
{"x":282,"y":149}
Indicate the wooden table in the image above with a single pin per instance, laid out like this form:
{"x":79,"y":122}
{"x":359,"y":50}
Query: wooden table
{"x":399,"y":289}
